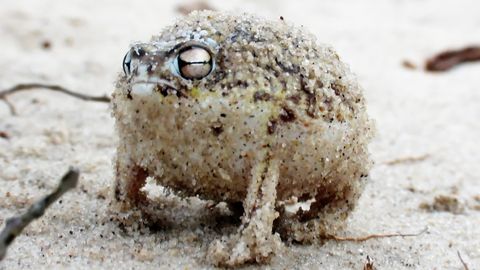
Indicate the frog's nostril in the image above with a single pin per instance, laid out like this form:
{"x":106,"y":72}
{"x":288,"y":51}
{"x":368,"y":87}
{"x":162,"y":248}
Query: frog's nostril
{"x":140,"y":52}
{"x":150,"y":69}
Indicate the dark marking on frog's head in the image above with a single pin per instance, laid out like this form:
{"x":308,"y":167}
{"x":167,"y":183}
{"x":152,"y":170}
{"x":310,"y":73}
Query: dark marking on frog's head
{"x":261,"y":96}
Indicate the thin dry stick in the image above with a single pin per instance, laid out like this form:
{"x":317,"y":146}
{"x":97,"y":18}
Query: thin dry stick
{"x":465,"y":266}
{"x":449,"y":59}
{"x":14,"y":226}
{"x":407,"y":160}
{"x":10,"y":106}
{"x":56,"y":88}
{"x":372,"y":236}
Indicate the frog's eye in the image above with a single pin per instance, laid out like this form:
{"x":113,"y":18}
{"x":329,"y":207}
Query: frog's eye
{"x":127,"y":61}
{"x":194,"y":62}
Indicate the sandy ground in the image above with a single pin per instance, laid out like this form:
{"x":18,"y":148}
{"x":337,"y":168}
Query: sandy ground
{"x":432,"y":118}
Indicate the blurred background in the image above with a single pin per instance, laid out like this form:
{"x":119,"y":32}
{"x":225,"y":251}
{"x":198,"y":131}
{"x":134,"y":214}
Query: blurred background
{"x":427,"y":144}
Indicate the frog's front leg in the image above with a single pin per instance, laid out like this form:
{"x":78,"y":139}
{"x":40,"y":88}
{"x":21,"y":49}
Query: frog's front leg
{"x":130,"y":178}
{"x":129,"y":198}
{"x":254,"y":240}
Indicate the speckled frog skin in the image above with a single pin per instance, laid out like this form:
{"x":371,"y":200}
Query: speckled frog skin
{"x":264,"y":117}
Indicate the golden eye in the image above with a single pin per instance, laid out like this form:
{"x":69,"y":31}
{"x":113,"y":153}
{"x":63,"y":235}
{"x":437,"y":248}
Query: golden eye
{"x":194,"y":62}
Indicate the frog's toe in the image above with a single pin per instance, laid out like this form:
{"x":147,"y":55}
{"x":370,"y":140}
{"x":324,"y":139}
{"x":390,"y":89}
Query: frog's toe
{"x":239,"y":250}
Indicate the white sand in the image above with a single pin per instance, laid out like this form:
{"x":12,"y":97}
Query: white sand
{"x":417,"y":114}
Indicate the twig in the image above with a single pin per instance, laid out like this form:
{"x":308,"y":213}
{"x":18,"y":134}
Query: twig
{"x":14,"y":226}
{"x":10,"y":106}
{"x":31,"y":86}
{"x":407,"y":160}
{"x":4,"y":135}
{"x":465,"y":266}
{"x":408,"y":64}
{"x":56,"y":88}
{"x":445,"y":203}
{"x":448,"y":59}
{"x":372,"y":236}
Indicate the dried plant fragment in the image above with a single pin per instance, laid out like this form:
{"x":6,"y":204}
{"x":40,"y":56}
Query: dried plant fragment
{"x":465,"y":266}
{"x":408,"y":64}
{"x":451,"y":58}
{"x":4,"y":135}
{"x":32,"y":86}
{"x":407,"y":160}
{"x":372,"y":236}
{"x":444,"y":203}
{"x":14,"y":226}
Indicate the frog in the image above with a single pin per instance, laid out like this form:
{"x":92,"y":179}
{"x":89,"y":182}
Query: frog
{"x":252,"y":112}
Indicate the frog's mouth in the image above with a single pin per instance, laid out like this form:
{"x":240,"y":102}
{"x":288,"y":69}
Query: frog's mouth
{"x":148,"y":87}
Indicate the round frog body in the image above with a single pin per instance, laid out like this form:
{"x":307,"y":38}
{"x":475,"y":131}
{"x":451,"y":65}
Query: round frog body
{"x":242,"y":110}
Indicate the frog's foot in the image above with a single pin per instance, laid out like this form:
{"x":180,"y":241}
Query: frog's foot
{"x":131,"y":201}
{"x":325,"y":216}
{"x":133,"y":207}
{"x":247,"y":246}
{"x":129,"y":198}
{"x":254,"y":242}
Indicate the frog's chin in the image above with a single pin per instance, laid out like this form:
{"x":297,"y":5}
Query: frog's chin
{"x":145,"y":88}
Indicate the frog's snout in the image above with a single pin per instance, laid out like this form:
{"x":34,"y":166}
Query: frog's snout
{"x":149,"y":86}
{"x":145,"y":78}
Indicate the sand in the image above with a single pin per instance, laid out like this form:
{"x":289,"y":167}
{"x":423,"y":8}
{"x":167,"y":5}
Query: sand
{"x":426,"y":145}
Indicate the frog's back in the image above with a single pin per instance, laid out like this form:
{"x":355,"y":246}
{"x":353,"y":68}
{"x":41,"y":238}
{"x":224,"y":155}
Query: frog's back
{"x":273,"y":57}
